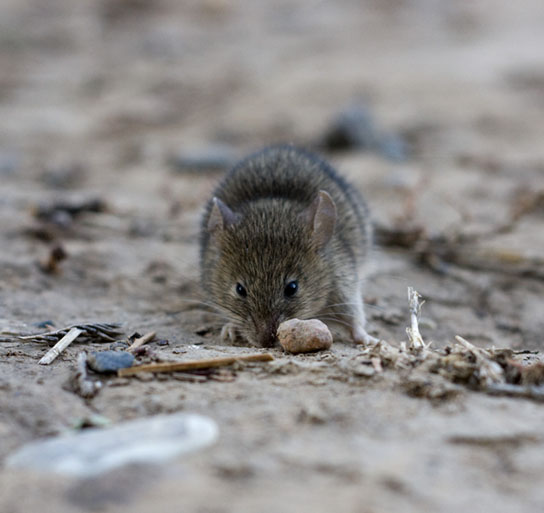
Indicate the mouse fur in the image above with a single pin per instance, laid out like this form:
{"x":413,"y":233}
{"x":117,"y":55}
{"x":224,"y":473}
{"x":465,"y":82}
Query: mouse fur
{"x":285,"y":236}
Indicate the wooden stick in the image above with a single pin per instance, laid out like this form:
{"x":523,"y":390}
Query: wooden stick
{"x":60,"y":346}
{"x":139,"y":342}
{"x":194,"y":364}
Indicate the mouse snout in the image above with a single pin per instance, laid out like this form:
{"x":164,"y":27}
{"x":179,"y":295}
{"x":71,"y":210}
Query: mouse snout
{"x":266,"y":332}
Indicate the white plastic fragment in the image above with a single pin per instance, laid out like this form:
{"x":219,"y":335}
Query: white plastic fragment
{"x":94,"y":451}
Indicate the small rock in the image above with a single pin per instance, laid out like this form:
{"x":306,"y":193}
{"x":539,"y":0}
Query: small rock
{"x":94,"y":451}
{"x":213,"y":158}
{"x":119,"y":344}
{"x":44,"y":324}
{"x":296,"y":336}
{"x":354,"y":128}
{"x":109,"y":361}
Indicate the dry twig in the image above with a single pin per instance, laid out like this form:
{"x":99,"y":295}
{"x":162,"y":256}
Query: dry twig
{"x":194,"y":364}
{"x":98,"y":332}
{"x":60,"y":346}
{"x":490,"y":371}
{"x":414,"y":336}
{"x":139,"y":342}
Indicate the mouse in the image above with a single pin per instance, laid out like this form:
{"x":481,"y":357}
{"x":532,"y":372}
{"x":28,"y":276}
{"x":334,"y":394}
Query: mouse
{"x":285,"y":236}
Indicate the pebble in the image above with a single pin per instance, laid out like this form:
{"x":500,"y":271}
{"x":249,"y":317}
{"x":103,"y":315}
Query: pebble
{"x":109,"y":361}
{"x":354,"y":128}
{"x":296,"y":336}
{"x":93,"y":451}
{"x":212,"y":158}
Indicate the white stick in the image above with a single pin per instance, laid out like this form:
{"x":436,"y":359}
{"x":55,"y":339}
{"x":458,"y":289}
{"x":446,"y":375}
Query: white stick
{"x":60,"y":346}
{"x":139,"y":342}
{"x":416,"y":340}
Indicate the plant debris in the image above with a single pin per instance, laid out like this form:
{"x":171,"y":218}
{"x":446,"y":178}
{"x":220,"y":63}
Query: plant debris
{"x":96,"y":332}
{"x":195,"y":364}
{"x":56,"y":255}
{"x":80,"y":382}
{"x":141,"y":340}
{"x":491,"y":370}
{"x":64,"y":211}
{"x":60,"y":346}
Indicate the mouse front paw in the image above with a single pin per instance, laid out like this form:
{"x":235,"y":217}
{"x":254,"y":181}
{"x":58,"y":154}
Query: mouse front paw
{"x":361,"y":336}
{"x":229,"y":333}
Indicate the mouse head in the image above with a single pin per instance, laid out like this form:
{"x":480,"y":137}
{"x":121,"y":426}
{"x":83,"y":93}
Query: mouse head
{"x":269,"y":262}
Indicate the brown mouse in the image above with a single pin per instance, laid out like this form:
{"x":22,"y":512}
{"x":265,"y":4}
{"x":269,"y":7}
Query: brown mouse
{"x":285,"y":236}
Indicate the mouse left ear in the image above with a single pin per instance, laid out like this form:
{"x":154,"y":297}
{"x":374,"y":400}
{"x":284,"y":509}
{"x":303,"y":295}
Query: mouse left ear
{"x":221,"y":216}
{"x":321,"y":215}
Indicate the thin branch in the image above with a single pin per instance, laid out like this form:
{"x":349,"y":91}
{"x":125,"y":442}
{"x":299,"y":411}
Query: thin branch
{"x":60,"y":346}
{"x":139,"y":342}
{"x":194,"y":364}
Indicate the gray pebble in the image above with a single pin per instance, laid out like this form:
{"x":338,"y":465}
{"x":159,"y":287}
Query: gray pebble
{"x":355,"y":128}
{"x":109,"y":361}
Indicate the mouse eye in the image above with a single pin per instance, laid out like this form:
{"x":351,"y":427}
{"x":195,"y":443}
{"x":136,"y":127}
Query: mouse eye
{"x":290,"y":289}
{"x":240,"y":290}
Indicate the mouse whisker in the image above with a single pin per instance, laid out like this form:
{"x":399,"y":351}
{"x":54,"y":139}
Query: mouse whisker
{"x":334,"y":320}
{"x":366,"y":305}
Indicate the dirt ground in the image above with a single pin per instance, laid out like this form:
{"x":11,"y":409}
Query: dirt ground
{"x":95,"y":100}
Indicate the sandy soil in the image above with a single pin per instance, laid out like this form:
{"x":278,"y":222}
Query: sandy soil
{"x":95,"y":97}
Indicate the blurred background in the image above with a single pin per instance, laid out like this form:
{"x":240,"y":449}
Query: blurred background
{"x":113,"y":84}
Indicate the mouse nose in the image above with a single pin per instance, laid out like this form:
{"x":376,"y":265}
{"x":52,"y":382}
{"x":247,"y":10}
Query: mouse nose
{"x":267,"y":333}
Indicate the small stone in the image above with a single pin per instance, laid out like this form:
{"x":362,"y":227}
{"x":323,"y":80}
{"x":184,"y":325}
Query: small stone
{"x":119,"y":344}
{"x":296,"y":336}
{"x":354,"y":128}
{"x":109,"y":361}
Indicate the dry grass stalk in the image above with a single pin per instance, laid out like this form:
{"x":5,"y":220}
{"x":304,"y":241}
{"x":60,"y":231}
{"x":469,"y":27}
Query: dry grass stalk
{"x":194,"y":364}
{"x":99,"y":332}
{"x":414,"y":336}
{"x":60,"y":346}
{"x":490,"y":371}
{"x":139,"y":342}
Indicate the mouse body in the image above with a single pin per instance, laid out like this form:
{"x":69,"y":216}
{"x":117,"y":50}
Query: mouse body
{"x":285,"y":236}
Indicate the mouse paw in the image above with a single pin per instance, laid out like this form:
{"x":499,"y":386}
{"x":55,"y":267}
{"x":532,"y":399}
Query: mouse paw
{"x":229,"y":333}
{"x":361,"y":336}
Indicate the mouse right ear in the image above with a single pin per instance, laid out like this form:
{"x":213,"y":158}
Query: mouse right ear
{"x":221,"y":216}
{"x":321,"y":216}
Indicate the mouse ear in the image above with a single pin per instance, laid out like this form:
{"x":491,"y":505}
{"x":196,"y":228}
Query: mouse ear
{"x":321,"y":215}
{"x":221,"y":216}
